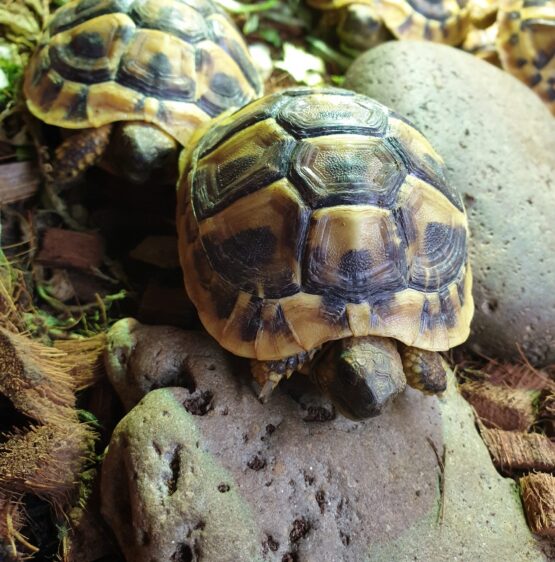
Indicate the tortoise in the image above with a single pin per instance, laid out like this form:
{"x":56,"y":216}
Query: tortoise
{"x":135,"y":78}
{"x":356,"y":23}
{"x":481,"y":43}
{"x":526,"y":44}
{"x":441,"y":21}
{"x":483,"y":13}
{"x":318,"y":233}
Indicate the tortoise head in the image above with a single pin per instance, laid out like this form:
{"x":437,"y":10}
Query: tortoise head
{"x":361,"y":375}
{"x":141,"y":150}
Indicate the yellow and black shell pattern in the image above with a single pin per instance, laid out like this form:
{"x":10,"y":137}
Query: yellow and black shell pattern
{"x":174,"y":63}
{"x":440,"y":21}
{"x":314,"y":215}
{"x":526,"y":44}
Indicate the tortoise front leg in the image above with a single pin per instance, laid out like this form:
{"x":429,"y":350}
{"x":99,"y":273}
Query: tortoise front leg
{"x":423,"y":369}
{"x":268,"y":373}
{"x":79,"y":152}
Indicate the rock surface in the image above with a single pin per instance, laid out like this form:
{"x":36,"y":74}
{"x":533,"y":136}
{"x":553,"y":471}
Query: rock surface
{"x":140,"y":358}
{"x":289,"y":481}
{"x":497,"y":139}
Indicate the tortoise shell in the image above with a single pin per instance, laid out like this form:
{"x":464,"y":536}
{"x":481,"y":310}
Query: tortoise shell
{"x":337,"y":4}
{"x":356,"y":23}
{"x":526,"y":44}
{"x":481,"y":43}
{"x":483,"y":13}
{"x":174,"y":63}
{"x":441,"y":21}
{"x":313,"y":215}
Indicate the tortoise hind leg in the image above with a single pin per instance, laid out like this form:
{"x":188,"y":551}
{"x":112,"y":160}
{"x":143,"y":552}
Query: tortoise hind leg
{"x":79,"y":152}
{"x":268,"y":374}
{"x":424,"y":369}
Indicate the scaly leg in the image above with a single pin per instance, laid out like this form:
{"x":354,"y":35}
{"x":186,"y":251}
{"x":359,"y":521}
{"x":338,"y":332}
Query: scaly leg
{"x":423,"y":369}
{"x":79,"y":152}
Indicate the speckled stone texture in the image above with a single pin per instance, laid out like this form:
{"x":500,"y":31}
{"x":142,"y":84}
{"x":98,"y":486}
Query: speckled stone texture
{"x":140,"y":358}
{"x":497,"y":139}
{"x":253,"y":482}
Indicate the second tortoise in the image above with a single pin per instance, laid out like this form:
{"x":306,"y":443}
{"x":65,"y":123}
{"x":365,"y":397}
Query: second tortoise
{"x":133,"y":79}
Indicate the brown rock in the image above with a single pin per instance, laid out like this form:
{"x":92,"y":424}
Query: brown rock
{"x":165,"y":497}
{"x":140,"y":358}
{"x":251,"y":481}
{"x":538,"y":496}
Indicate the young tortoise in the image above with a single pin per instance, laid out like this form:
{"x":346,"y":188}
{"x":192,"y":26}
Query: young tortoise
{"x":526,"y":44}
{"x":318,"y":233}
{"x":441,"y":21}
{"x":136,"y":77}
{"x":356,"y":23}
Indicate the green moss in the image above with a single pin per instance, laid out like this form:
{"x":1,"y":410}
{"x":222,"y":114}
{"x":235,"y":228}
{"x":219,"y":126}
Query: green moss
{"x":11,"y":73}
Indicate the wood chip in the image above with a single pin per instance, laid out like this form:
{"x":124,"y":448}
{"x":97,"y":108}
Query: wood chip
{"x":67,"y":248}
{"x":18,"y":181}
{"x":160,"y":251}
{"x":500,"y":407}
{"x":538,"y":497}
{"x":514,"y":451}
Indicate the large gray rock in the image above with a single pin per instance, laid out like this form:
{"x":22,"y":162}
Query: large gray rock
{"x":246,"y":481}
{"x":497,"y":139}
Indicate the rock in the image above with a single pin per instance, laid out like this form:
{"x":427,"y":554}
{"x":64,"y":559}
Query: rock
{"x":497,"y":138}
{"x":274,"y":482}
{"x":165,"y":496}
{"x":140,"y":358}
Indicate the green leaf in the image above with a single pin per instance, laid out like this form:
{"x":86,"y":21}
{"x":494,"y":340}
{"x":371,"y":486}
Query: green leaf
{"x":251,"y":25}
{"x":272,"y":36}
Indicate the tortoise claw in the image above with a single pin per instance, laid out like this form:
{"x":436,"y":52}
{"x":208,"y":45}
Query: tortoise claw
{"x":266,"y":392}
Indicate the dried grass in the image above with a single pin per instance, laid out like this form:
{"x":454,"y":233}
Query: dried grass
{"x":500,"y":407}
{"x":513,"y":452}
{"x":35,"y":378}
{"x":83,"y":359}
{"x":46,"y":460}
{"x":538,"y":497}
{"x":522,"y":376}
{"x":12,"y":542}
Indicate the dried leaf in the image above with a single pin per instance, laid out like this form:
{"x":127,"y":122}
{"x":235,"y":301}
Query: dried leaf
{"x":302,"y":66}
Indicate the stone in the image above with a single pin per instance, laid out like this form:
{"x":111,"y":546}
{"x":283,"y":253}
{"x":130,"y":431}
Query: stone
{"x":497,"y":138}
{"x":291,"y":480}
{"x":139,"y":358}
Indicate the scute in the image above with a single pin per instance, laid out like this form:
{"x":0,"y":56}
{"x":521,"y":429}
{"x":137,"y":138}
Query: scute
{"x":422,"y":160}
{"x":354,"y":254}
{"x":174,"y":63}
{"x":256,"y":242}
{"x":441,"y":21}
{"x":348,"y":169}
{"x":327,"y":115}
{"x":526,"y":44}
{"x":246,"y":162}
{"x":317,"y":237}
